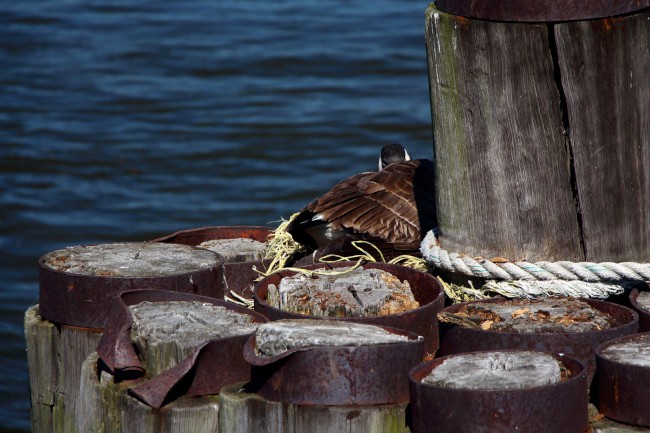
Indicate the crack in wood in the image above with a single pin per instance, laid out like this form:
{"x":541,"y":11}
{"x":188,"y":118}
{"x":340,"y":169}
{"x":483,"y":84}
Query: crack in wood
{"x":573,"y":179}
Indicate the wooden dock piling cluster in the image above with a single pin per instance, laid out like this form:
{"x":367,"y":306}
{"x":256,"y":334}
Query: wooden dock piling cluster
{"x":542,"y":150}
{"x":75,"y":390}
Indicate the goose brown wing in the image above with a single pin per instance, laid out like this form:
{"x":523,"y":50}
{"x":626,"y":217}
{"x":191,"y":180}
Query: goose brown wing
{"x":382,"y":205}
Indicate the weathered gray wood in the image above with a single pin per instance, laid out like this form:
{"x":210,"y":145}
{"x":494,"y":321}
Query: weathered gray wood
{"x":54,"y":356}
{"x":78,"y":284}
{"x":237,"y":249}
{"x":634,"y":352}
{"x":129,"y":259}
{"x":605,"y":76}
{"x":106,"y":407}
{"x":165,"y":333}
{"x":241,"y":412}
{"x":496,"y":370}
{"x":542,"y":137}
{"x":503,"y":177}
{"x":356,"y":293}
{"x":276,"y":337}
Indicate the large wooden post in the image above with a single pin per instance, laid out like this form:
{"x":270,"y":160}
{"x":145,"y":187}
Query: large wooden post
{"x":541,"y":134}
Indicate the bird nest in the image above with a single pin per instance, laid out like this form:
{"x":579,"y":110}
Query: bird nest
{"x":282,"y":250}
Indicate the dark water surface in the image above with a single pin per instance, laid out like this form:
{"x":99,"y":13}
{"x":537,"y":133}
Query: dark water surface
{"x":124,"y":121}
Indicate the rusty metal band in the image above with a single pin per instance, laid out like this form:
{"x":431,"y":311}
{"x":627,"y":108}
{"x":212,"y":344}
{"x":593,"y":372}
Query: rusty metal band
{"x":194,"y":237}
{"x":622,"y":391}
{"x":85,"y":300}
{"x":456,"y":339}
{"x":240,"y":276}
{"x":644,"y":314}
{"x":423,"y":321}
{"x":558,"y":407}
{"x":540,"y":10}
{"x":346,"y":375}
{"x":212,"y":365}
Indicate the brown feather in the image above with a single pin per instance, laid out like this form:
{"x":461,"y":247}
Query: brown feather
{"x":394,"y":207}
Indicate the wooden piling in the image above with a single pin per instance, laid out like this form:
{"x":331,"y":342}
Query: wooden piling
{"x":106,"y":407}
{"x":55,"y":354}
{"x":242,"y":412}
{"x":77,"y":287}
{"x":541,"y":136}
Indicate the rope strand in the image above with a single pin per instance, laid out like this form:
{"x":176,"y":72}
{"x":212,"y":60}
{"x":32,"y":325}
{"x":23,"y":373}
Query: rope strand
{"x":605,"y":272}
{"x":523,"y":279}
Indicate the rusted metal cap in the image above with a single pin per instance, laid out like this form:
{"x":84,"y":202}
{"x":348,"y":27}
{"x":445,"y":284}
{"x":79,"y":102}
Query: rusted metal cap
{"x":240,"y":276}
{"x":423,"y":321}
{"x":72,"y":295}
{"x":343,"y":375}
{"x":644,"y":314}
{"x":457,"y":339}
{"x":211,"y":366}
{"x":558,"y":407}
{"x":540,"y":10}
{"x":194,"y":237}
{"x":622,"y":389}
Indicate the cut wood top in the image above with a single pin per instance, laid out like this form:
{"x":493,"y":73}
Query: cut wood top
{"x":496,"y":370}
{"x":531,"y":316}
{"x":130,"y":259}
{"x":357,"y":293}
{"x":277,"y":337}
{"x":186,"y":323}
{"x":634,"y":351}
{"x":166,"y":333}
{"x":237,"y":249}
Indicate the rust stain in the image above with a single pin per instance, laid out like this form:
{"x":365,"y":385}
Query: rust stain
{"x":464,"y":22}
{"x":608,"y":24}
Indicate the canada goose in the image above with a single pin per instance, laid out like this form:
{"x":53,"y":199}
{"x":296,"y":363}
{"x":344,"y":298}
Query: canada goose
{"x":393,"y":208}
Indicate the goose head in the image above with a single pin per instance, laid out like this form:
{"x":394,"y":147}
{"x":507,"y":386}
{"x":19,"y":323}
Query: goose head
{"x":392,"y":153}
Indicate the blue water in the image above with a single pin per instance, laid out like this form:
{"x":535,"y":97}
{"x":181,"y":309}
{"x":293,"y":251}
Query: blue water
{"x":125,"y":121}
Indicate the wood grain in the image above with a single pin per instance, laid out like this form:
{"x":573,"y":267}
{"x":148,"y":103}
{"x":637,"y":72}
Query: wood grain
{"x":55,"y":355}
{"x":106,"y":407}
{"x":241,"y":412}
{"x":503,"y":176}
{"x":605,"y":71}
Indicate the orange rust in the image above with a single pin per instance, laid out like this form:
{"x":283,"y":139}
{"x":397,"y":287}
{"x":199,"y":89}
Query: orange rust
{"x":462,"y":21}
{"x":608,"y":24}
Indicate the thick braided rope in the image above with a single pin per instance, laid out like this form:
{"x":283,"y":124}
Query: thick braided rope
{"x":606,"y":272}
{"x":525,"y":279}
